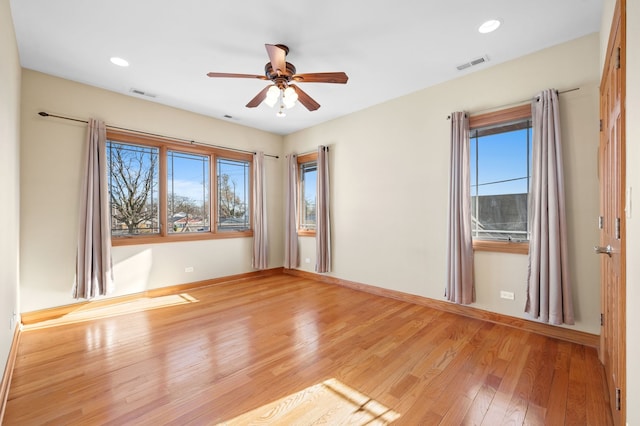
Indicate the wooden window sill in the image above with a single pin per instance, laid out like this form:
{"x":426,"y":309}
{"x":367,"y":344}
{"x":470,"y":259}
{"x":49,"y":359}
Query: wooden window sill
{"x":306,"y":233}
{"x":501,"y":246}
{"x":172,"y":238}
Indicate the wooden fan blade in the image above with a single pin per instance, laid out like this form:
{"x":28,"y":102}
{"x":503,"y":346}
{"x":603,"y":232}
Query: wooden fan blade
{"x":305,"y":99}
{"x":257,"y":100}
{"x":277,"y":57}
{"x":231,"y":75}
{"x":321,"y":77}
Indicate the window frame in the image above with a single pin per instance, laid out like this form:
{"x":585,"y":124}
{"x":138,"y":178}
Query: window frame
{"x":165,"y":144}
{"x":520,"y":112}
{"x":303,"y":159}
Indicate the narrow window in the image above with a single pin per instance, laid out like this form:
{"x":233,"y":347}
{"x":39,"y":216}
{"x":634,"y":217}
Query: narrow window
{"x":307,"y":179}
{"x":233,"y":195}
{"x":500,"y":165}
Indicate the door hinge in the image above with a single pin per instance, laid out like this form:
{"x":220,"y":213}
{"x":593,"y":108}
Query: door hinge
{"x":617,"y":228}
{"x":618,"y":59}
{"x":600,"y":125}
{"x":601,"y":319}
{"x":600,"y":222}
{"x":618,"y":399}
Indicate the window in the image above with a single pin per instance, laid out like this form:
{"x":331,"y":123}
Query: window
{"x":233,"y":195}
{"x":164,"y":191}
{"x":307,"y":177}
{"x":500,"y":161}
{"x":133,"y":189}
{"x":187,"y":192}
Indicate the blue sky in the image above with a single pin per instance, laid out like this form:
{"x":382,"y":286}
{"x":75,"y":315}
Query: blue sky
{"x":310,"y":186}
{"x":190,"y":171}
{"x":500,"y":157}
{"x":190,"y":175}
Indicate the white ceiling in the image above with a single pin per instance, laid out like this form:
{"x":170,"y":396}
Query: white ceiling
{"x":388,"y":49}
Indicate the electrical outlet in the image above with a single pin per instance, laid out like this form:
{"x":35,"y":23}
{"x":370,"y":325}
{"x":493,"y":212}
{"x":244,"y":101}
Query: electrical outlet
{"x":509,"y":295}
{"x":307,"y":260}
{"x":188,"y":269}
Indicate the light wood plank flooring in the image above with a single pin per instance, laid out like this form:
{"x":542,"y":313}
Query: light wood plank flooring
{"x":285,"y":350}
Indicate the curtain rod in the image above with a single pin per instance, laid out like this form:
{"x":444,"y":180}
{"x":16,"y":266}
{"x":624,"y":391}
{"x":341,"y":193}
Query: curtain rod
{"x":325,"y":147}
{"x":190,"y":142}
{"x":519,"y":102}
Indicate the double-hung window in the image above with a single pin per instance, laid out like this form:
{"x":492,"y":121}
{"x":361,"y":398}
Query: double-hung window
{"x":233,"y":194}
{"x":188,"y":208}
{"x":500,"y":162}
{"x":164,"y":191}
{"x":307,"y":178}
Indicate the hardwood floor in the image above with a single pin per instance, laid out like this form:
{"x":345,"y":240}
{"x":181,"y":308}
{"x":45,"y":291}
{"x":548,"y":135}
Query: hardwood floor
{"x":286,"y":350}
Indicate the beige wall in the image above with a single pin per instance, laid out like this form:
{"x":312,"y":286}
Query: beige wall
{"x":389,"y":166}
{"x":10,"y":178}
{"x":608,"y":7}
{"x":51,"y":167}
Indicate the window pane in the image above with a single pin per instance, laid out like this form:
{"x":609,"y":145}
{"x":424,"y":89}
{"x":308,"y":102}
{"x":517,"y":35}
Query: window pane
{"x":187,"y":192}
{"x":500,"y":172}
{"x":308,"y":177}
{"x":133,"y":189}
{"x":233,"y":195}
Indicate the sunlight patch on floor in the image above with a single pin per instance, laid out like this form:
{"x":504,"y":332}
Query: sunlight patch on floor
{"x":330,"y":402}
{"x":88,"y":312}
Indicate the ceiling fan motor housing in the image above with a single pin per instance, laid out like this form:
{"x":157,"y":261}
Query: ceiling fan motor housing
{"x":283,"y":76}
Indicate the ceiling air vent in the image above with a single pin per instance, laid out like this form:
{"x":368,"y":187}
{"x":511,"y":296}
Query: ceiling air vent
{"x":473,"y":62}
{"x":142,"y":93}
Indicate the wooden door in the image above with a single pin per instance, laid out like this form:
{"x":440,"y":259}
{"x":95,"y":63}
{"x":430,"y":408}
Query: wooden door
{"x":612,"y":220}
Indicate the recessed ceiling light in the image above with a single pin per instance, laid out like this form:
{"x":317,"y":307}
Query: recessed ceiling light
{"x":489,"y":26}
{"x":119,"y":62}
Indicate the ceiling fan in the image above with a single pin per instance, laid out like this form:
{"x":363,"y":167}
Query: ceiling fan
{"x":283,"y":74}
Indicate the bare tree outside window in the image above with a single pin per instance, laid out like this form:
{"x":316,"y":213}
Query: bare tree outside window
{"x":162,"y":191}
{"x":133,"y":188}
{"x":233,"y":195}
{"x":186,"y":215}
{"x":231,"y":205}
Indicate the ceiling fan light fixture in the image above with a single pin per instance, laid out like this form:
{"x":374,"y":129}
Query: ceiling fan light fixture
{"x":289,"y":97}
{"x":281,"y":112}
{"x":271,"y":101}
{"x":489,"y":26}
{"x":272,"y":96}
